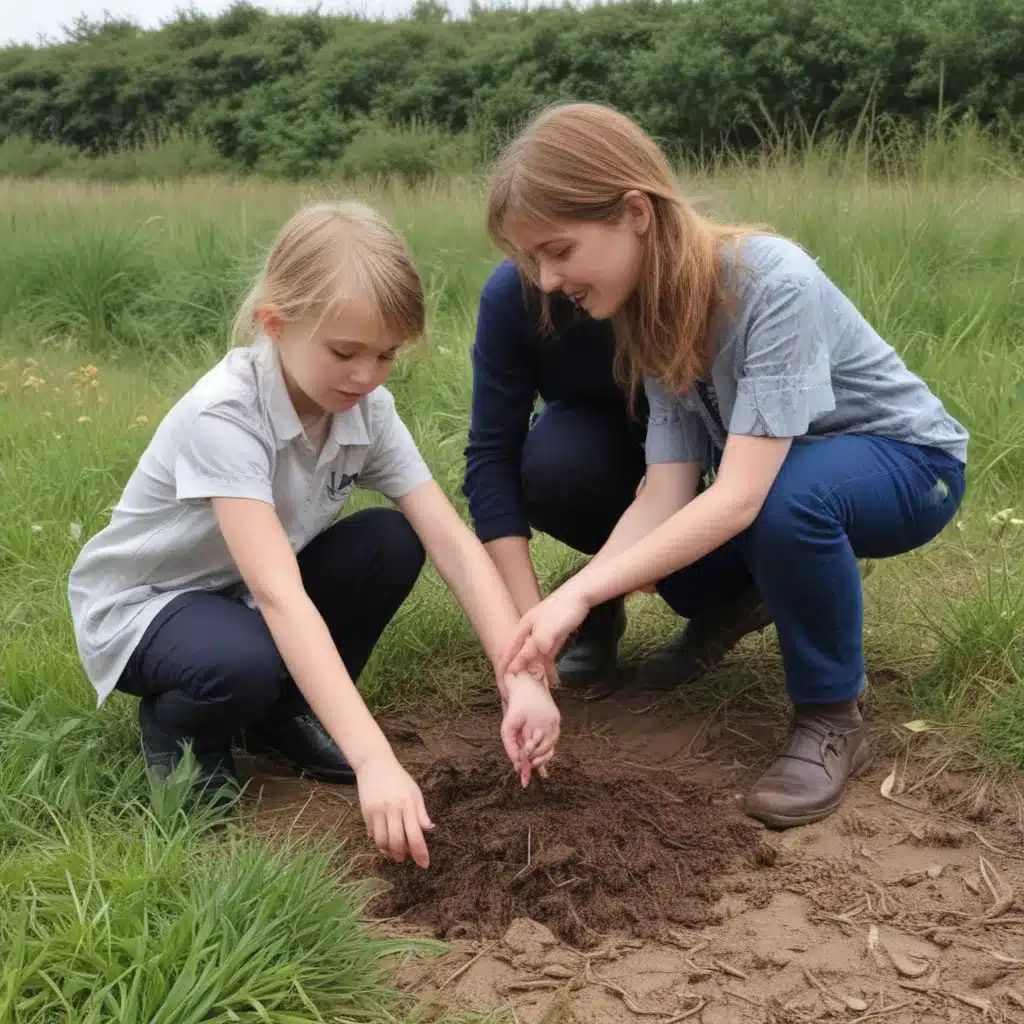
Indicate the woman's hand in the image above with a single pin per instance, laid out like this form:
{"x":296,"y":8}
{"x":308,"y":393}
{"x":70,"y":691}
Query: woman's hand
{"x":530,"y":727}
{"x":543,"y":631}
{"x":393,"y":808}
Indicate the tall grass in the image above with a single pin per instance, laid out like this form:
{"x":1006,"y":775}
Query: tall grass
{"x":114,"y":298}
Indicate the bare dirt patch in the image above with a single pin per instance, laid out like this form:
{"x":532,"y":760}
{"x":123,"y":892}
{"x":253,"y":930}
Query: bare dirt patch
{"x":563,"y":903}
{"x":586,"y":851}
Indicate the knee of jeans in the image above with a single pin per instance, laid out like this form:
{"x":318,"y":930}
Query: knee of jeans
{"x":789,"y":511}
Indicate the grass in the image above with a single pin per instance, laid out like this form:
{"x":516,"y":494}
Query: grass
{"x":114,"y":298}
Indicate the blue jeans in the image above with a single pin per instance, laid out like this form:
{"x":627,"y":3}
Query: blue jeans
{"x":834,"y":501}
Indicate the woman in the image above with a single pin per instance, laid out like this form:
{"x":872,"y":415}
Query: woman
{"x":829,"y":448}
{"x":570,"y":471}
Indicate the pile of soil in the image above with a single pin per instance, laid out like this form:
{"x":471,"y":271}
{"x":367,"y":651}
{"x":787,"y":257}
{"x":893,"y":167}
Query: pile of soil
{"x":580,"y":853}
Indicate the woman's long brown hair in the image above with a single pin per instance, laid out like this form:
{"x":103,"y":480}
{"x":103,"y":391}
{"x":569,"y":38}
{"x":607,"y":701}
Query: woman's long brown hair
{"x":577,"y":162}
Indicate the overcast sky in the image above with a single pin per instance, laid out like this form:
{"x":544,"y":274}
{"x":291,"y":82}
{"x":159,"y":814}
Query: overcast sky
{"x":22,"y":21}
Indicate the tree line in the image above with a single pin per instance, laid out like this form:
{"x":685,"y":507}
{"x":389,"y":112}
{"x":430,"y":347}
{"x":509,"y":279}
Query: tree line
{"x":291,"y":94}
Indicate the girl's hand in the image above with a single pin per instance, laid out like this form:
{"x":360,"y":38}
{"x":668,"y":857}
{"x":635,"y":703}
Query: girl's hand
{"x":531,"y":724}
{"x":393,"y":808}
{"x":543,"y":631}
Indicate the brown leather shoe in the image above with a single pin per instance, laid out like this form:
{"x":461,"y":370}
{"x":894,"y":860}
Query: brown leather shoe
{"x":825,"y":748}
{"x":705,"y":641}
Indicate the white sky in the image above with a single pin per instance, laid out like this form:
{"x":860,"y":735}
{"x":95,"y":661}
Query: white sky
{"x":23,"y":21}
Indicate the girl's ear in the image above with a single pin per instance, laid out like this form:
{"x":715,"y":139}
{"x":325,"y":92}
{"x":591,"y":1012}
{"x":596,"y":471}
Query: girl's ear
{"x":638,"y":208}
{"x":270,"y":317}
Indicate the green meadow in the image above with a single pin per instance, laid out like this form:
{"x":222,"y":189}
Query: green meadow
{"x":114,"y":298}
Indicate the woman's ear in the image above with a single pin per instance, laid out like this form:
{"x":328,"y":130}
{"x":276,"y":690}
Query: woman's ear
{"x":270,"y":316}
{"x":639,"y":209}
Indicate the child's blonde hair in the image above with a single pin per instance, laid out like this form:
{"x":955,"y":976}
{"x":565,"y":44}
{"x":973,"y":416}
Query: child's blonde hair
{"x":330,"y":254}
{"x":576,"y":162}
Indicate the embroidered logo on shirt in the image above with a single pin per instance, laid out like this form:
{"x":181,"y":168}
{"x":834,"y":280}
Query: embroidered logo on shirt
{"x":338,"y":485}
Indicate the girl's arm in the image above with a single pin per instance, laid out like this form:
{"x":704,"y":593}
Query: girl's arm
{"x":392,"y":803}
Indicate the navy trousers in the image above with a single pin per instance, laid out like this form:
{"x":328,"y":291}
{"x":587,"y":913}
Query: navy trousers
{"x":581,"y":466}
{"x":834,"y":501}
{"x":208,"y":662}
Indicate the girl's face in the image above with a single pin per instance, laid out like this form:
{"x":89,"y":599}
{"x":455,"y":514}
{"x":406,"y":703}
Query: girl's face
{"x":594,"y":263}
{"x":330,"y":364}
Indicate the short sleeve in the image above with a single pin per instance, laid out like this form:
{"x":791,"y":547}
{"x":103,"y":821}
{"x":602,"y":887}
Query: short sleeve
{"x":394,"y":466}
{"x":785,"y":380}
{"x":224,"y":456}
{"x":674,"y":434}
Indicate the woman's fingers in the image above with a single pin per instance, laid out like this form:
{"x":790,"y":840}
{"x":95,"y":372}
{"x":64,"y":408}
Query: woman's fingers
{"x":528,"y":654}
{"x":515,"y":645}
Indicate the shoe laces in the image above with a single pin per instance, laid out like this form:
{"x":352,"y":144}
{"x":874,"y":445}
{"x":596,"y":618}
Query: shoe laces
{"x":813,"y":731}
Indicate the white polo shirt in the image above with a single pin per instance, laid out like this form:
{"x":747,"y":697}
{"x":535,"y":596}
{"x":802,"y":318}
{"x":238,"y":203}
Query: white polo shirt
{"x":234,"y":434}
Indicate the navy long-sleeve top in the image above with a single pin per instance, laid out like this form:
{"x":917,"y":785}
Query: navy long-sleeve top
{"x":514,"y":361}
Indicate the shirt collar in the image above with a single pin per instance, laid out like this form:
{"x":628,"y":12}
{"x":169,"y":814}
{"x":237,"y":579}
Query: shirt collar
{"x":349,"y":427}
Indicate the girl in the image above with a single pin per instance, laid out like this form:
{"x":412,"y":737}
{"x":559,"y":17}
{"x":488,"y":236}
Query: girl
{"x":227,"y":595}
{"x":827,"y":447}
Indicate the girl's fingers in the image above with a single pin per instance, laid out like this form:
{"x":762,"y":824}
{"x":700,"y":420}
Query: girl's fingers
{"x":531,"y":744}
{"x":515,"y":645}
{"x":380,"y":832}
{"x":421,"y":811}
{"x":414,"y":837}
{"x":396,"y":834}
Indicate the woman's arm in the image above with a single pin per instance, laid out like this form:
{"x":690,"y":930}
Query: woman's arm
{"x":392,"y":803}
{"x":748,"y":469}
{"x":731,"y":504}
{"x":667,"y":488}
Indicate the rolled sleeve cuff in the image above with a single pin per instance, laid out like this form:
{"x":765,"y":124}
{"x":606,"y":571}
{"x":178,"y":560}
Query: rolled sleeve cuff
{"x":402,"y":479}
{"x":193,"y":486}
{"x":672,"y":437}
{"x":780,"y":406}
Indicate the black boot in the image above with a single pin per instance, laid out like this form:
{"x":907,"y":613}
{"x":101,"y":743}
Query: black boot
{"x":164,"y":750}
{"x":704,"y":642}
{"x":593,"y":650}
{"x":302,"y":742}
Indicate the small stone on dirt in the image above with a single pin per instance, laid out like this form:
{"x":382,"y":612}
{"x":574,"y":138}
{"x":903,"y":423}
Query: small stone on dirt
{"x":528,"y":937}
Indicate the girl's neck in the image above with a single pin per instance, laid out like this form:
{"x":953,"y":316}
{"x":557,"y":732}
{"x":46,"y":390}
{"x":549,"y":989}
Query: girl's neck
{"x":317,"y":426}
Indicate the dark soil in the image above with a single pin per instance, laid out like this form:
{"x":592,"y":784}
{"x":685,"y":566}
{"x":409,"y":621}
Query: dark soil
{"x":582,"y":854}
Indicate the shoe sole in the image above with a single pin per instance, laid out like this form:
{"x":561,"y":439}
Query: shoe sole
{"x":261,"y":748}
{"x":333,"y":778}
{"x":861,"y":762}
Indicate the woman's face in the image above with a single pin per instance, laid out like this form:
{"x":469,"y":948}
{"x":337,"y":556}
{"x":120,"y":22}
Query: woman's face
{"x":596,"y":264}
